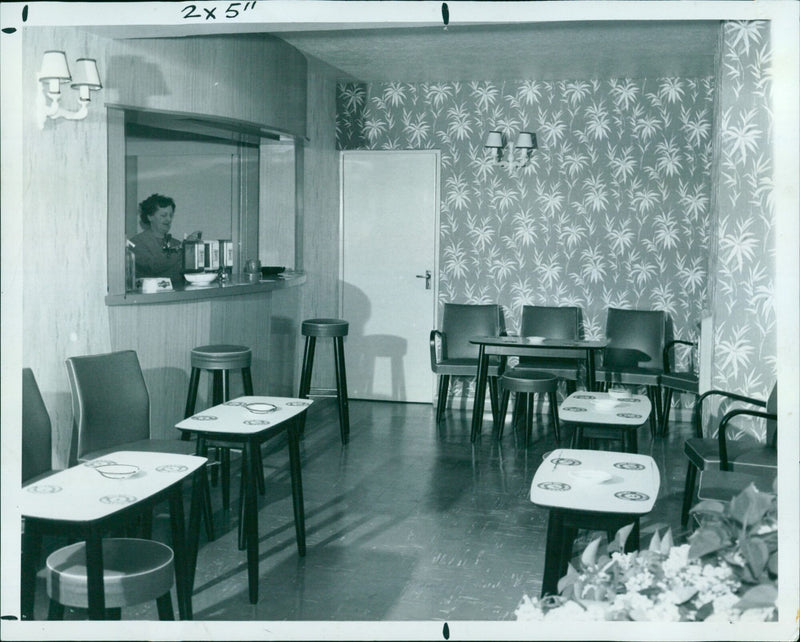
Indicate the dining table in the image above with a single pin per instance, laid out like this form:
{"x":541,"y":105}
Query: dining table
{"x":249,"y":421}
{"x":520,"y":346}
{"x":594,"y":490}
{"x":91,"y":499}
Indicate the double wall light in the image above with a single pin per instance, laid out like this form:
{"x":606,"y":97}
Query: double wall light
{"x":53,"y":74}
{"x":519,"y":153}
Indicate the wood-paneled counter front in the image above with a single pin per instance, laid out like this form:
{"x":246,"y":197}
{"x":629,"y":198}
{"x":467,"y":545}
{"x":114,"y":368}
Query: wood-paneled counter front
{"x":163,"y":328}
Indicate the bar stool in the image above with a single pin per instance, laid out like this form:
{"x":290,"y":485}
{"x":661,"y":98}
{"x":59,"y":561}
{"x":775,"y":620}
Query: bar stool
{"x":336,"y":329}
{"x":219,"y":360}
{"x":527,"y":383}
{"x":134,"y":571}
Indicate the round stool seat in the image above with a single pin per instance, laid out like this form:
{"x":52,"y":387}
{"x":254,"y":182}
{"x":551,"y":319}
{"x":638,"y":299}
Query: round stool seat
{"x":221,"y":357}
{"x":528,"y":381}
{"x":325,"y":328}
{"x":134,"y":571}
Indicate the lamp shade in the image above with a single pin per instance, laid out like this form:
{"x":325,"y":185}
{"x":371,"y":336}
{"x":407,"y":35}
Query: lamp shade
{"x":526,"y":140}
{"x":494,"y":139}
{"x":86,"y":74}
{"x":54,"y":67}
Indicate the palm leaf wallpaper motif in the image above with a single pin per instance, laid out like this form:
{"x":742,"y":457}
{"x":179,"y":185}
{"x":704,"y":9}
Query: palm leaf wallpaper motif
{"x":614,"y":209}
{"x":745,"y":346}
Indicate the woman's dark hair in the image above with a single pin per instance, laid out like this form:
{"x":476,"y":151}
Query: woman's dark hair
{"x":149,"y":205}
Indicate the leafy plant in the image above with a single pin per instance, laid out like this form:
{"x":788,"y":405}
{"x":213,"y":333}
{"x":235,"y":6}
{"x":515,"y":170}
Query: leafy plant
{"x":727,"y":571}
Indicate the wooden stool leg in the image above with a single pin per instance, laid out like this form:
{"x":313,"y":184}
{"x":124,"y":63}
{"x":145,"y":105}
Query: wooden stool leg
{"x":665,"y":411}
{"x":55,"y":611}
{"x":305,"y":376}
{"x":341,"y":389}
{"x":191,"y":398}
{"x":501,"y":413}
{"x":164,"y":606}
{"x":247,"y":381}
{"x":554,"y":413}
{"x":529,"y":408}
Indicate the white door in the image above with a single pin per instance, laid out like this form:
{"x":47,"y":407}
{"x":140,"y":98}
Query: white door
{"x":389,"y":218}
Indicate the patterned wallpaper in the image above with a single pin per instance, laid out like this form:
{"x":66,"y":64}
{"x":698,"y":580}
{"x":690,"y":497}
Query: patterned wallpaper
{"x":743,"y":250}
{"x":615,"y":207}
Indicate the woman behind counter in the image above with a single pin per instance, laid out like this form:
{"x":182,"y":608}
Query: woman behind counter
{"x":157,"y":253}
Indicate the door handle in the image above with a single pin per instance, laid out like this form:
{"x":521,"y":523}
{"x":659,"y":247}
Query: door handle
{"x":427,"y":277}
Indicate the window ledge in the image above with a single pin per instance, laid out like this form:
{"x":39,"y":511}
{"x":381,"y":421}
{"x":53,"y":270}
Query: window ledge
{"x":193,"y":293}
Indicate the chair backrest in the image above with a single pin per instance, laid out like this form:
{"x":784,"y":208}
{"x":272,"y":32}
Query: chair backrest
{"x":462,"y":321}
{"x":636,"y":339}
{"x":37,"y":436}
{"x":551,"y":322}
{"x":110,"y":402}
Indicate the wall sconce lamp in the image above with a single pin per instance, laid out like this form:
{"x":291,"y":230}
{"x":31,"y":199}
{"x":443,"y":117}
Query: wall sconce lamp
{"x":519,"y":153}
{"x":53,"y":74}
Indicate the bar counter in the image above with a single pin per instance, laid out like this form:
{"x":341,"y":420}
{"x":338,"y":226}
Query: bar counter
{"x":188,"y":292}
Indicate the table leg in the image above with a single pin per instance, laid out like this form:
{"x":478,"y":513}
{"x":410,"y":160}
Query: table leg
{"x":31,"y":550}
{"x":177,"y":524}
{"x":297,"y":485}
{"x":94,"y":576}
{"x":199,"y":490}
{"x":480,"y":393}
{"x":590,"y":383}
{"x":251,"y":518}
{"x":552,"y":553}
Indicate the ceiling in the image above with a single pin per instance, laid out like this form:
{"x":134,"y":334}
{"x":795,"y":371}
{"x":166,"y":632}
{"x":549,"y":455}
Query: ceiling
{"x":567,"y":50}
{"x":542,"y":51}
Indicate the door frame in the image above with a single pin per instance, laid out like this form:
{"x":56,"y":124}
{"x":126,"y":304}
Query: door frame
{"x":437,"y":153}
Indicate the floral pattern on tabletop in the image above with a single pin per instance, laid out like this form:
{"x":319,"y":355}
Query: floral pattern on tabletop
{"x":726,"y":573}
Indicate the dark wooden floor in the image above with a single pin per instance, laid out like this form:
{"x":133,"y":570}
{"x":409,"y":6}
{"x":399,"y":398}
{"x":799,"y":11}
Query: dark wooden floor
{"x":409,"y":521}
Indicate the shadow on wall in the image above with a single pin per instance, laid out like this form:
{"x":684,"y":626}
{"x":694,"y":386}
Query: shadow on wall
{"x":166,"y":409}
{"x":282,"y":358}
{"x":374,"y":361}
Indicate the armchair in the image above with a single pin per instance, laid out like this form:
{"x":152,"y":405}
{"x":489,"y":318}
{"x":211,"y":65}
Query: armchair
{"x":718,"y":458}
{"x":453,"y":355}
{"x":687,"y":382}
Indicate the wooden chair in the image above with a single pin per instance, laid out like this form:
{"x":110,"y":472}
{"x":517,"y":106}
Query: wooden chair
{"x":111,"y":411}
{"x":453,"y":355}
{"x":752,"y":461}
{"x":37,"y":436}
{"x":553,"y":323}
{"x":682,"y":382}
{"x":635,"y":353}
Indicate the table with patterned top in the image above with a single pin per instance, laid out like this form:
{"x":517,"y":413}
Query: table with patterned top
{"x":87,"y":500}
{"x":250,"y":421}
{"x":594,"y":490}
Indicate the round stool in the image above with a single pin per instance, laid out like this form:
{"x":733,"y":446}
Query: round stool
{"x":335,"y":329}
{"x":526,"y":383}
{"x":219,"y":360}
{"x":134,"y":571}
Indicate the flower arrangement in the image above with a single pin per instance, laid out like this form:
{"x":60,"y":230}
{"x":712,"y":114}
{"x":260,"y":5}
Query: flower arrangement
{"x":727,"y":572}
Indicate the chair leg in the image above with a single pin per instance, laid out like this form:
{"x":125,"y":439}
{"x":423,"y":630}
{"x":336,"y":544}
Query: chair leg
{"x":501,"y":413}
{"x":444,"y":386}
{"x":164,"y":606}
{"x":688,"y":493}
{"x":191,"y":398}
